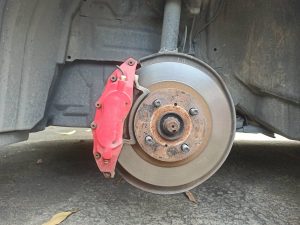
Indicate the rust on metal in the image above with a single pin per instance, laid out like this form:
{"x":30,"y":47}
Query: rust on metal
{"x":170,"y":126}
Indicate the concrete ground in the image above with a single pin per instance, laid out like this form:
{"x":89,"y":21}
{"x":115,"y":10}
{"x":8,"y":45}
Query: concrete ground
{"x":54,"y":171}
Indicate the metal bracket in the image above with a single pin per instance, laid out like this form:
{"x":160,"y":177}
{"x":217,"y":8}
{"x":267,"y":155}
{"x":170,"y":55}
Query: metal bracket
{"x":138,"y":98}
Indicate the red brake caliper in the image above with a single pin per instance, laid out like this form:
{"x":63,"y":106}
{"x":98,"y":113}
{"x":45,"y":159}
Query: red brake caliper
{"x":112,"y":109}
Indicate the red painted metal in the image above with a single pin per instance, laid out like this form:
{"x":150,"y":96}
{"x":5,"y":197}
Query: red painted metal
{"x":112,"y":109}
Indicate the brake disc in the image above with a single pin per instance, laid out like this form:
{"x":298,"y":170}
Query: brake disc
{"x":184,"y":128}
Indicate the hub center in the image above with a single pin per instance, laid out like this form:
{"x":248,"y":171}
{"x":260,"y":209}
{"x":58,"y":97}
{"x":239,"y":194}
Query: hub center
{"x":166,"y":125}
{"x":170,"y":126}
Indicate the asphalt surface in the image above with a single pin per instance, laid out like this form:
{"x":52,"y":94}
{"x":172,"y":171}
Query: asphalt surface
{"x":54,"y":171}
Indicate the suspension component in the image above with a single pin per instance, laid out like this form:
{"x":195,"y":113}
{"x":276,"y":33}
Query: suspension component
{"x":112,"y":109}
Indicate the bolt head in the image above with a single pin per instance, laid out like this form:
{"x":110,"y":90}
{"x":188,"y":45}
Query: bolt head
{"x":113,"y":78}
{"x":193,"y":111}
{"x":93,"y":125}
{"x":98,"y":105}
{"x":185,"y":148}
{"x":149,"y":140}
{"x":157,"y":103}
{"x":97,"y":156}
{"x":131,"y":62}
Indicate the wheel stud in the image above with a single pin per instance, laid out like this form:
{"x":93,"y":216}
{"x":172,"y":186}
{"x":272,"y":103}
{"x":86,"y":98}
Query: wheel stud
{"x":185,"y":148}
{"x":157,"y":103}
{"x":193,"y":111}
{"x":149,"y":140}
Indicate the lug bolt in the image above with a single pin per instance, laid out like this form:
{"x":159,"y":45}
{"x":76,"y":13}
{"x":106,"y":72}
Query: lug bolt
{"x":193,"y":111}
{"x":157,"y":103}
{"x":185,"y":148}
{"x":97,"y":156}
{"x":149,"y":140}
{"x":113,"y":78}
{"x":93,"y":125}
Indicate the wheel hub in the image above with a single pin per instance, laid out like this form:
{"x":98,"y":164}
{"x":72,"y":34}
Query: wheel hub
{"x":170,"y":125}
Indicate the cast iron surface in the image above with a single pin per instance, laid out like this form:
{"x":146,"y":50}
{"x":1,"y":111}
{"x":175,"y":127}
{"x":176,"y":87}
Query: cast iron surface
{"x":180,"y":127}
{"x":199,"y":78}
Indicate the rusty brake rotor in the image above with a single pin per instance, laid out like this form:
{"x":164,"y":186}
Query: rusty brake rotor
{"x":184,"y":127}
{"x":168,"y":133}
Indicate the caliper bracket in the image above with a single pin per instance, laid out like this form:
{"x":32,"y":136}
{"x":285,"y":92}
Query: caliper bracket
{"x":112,"y":109}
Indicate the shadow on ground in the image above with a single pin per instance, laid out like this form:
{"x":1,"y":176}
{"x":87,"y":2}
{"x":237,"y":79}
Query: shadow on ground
{"x":258,"y":184}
